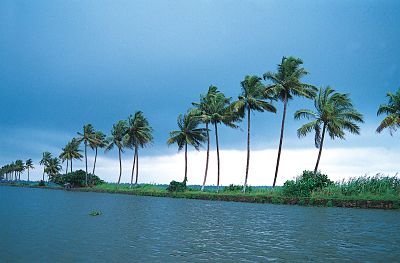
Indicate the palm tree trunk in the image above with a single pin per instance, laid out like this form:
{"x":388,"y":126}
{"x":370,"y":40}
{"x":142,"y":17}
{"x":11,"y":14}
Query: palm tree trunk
{"x":43,"y":174}
{"x":66,"y":170}
{"x":28,"y":174}
{"x":133,"y":166}
{"x":71,"y":165}
{"x":207,"y":158}
{"x":137,"y":165}
{"x":86,"y":180}
{"x":120,"y":165}
{"x":281,"y":139}
{"x":185,"y":179}
{"x":248,"y":150}
{"x":95,"y":159}
{"x":320,"y":148}
{"x":217,"y":144}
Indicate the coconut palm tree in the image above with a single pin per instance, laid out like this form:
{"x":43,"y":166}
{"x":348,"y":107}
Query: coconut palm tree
{"x":286,"y":84}
{"x":118,"y":133}
{"x":100,"y":141}
{"x":53,"y":167}
{"x":392,"y":110}
{"x":139,"y":134}
{"x":19,"y":168}
{"x":251,"y":99}
{"x":187,"y":134}
{"x":334,"y":113}
{"x":46,"y":156}
{"x":71,"y":151}
{"x":29,"y":165}
{"x":86,"y":137}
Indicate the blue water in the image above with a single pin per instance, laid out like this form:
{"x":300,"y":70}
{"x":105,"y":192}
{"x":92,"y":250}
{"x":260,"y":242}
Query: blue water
{"x":38,"y":225}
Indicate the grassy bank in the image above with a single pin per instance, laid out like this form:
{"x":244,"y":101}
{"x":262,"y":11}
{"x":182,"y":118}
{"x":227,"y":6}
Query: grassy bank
{"x":363,"y":192}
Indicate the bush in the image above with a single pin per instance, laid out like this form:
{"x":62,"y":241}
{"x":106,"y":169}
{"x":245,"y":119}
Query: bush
{"x":175,"y":186}
{"x":236,"y":188}
{"x":307,"y":183}
{"x":42,"y":183}
{"x":76,"y":179}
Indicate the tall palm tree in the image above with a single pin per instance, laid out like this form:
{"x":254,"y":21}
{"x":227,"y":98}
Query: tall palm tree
{"x":100,"y":141}
{"x":19,"y":168}
{"x":139,"y":134}
{"x":53,"y":167}
{"x":86,"y":137}
{"x":392,"y":110}
{"x":286,"y":83}
{"x":187,"y":134}
{"x":46,"y":156}
{"x":251,"y":99}
{"x":71,"y":151}
{"x":29,"y":165}
{"x":334,"y":114}
{"x":118,"y":133}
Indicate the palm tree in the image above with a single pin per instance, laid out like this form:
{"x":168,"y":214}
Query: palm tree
{"x":139,"y":134}
{"x":53,"y":167}
{"x":117,"y":136}
{"x":100,"y":141}
{"x":392,"y":110}
{"x":87,"y":137}
{"x":334,"y":114}
{"x":71,"y":151}
{"x":188,"y":133}
{"x":29,"y":165}
{"x":252,"y":98}
{"x":46,"y":156}
{"x":19,"y":168}
{"x":287,"y":84}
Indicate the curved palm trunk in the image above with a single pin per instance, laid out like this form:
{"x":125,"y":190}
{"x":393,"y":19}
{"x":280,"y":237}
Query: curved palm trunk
{"x":28,"y":174}
{"x":281,"y":140}
{"x":248,"y":150}
{"x":86,"y":180}
{"x":185,"y":179}
{"x":320,"y":148}
{"x":207,"y":158}
{"x":217,"y":144}
{"x":137,"y":165}
{"x":120,"y":165}
{"x":71,"y":165}
{"x":95,"y":159}
{"x":133,"y":166}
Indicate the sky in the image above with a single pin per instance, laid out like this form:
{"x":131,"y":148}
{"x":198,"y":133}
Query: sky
{"x":64,"y":64}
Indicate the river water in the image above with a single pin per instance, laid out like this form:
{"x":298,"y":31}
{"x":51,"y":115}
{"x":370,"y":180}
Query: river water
{"x":38,"y":225}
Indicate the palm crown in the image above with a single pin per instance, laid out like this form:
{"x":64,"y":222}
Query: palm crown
{"x":139,"y":132}
{"x":392,"y":110}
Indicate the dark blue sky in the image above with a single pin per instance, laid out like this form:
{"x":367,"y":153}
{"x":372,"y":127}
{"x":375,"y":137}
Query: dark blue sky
{"x":67,"y":63}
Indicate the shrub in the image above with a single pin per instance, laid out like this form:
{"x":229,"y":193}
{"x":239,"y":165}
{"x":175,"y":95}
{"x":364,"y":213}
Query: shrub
{"x":175,"y":186}
{"x":236,"y":188}
{"x":307,"y":183}
{"x":76,"y":179}
{"x":42,"y":183}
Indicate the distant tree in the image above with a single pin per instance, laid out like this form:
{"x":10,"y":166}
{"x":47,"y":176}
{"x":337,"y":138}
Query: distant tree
{"x":19,"y":168}
{"x":118,"y":133}
{"x":285,"y":85}
{"x":29,"y":166}
{"x":334,"y":114}
{"x":251,"y":99}
{"x":187,"y":134}
{"x":86,"y":137}
{"x":71,"y":152}
{"x":100,"y":141}
{"x":46,"y":156}
{"x":392,"y":110}
{"x":139,"y":134}
{"x":53,"y":167}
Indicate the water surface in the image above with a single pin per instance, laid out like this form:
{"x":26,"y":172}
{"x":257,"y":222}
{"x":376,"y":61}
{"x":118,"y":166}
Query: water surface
{"x":38,"y":225}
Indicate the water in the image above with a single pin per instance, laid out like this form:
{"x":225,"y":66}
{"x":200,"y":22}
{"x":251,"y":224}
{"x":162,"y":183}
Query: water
{"x":39,"y":225}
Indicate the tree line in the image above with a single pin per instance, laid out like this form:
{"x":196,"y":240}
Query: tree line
{"x":333,"y":115}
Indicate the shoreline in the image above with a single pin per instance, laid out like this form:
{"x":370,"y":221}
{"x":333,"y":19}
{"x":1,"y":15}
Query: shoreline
{"x":238,"y":197}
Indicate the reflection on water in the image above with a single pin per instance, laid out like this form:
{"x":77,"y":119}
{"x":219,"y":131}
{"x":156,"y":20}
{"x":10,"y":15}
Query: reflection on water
{"x":54,"y":226}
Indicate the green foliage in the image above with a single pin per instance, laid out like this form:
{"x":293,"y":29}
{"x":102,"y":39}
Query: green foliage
{"x":236,"y":188}
{"x":376,"y":185}
{"x":76,"y":179}
{"x":175,"y":186}
{"x":41,"y":183}
{"x":95,"y":213}
{"x":307,"y":183}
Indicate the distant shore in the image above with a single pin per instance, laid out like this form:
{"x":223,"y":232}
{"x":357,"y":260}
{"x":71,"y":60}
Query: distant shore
{"x":257,"y":197}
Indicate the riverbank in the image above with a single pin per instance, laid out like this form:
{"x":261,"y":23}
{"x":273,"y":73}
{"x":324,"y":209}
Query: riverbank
{"x":258,"y":195}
